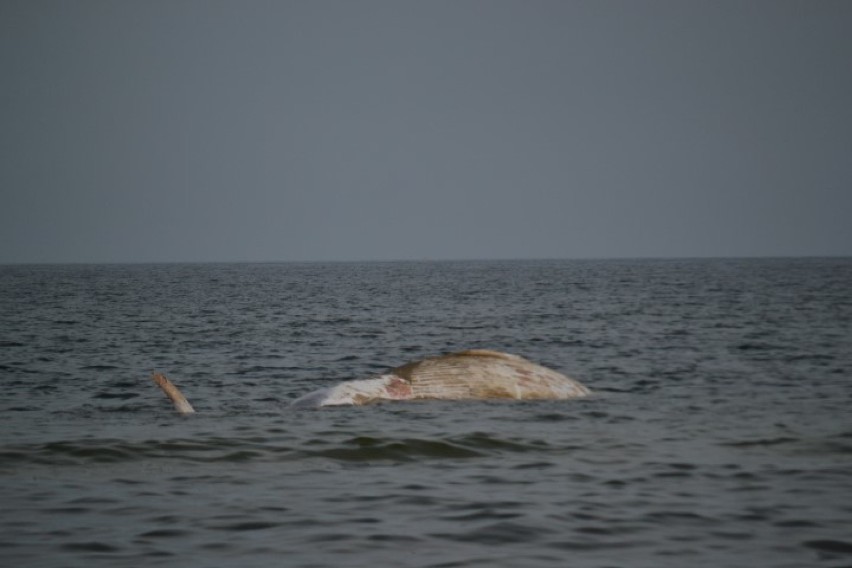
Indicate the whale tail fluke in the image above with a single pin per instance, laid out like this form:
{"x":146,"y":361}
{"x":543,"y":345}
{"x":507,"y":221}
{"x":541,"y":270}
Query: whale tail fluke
{"x":181,"y":404}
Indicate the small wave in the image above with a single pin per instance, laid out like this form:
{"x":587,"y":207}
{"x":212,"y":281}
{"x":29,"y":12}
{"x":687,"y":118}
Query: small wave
{"x":116,"y":395}
{"x":93,"y":546}
{"x":260,"y":369}
{"x":70,"y":339}
{"x":247,"y":526}
{"x":365,"y":448}
{"x":165,"y":533}
{"x":260,"y":449}
{"x":757,"y":347}
{"x":796,"y":523}
{"x":810,"y":357}
{"x":759,"y":442}
{"x":500,"y":533}
{"x":832,"y":546}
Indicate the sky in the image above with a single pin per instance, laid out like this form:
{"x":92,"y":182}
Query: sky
{"x":320,"y":130}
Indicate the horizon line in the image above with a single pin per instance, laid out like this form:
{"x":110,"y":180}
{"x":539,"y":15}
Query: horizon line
{"x":424,"y":260}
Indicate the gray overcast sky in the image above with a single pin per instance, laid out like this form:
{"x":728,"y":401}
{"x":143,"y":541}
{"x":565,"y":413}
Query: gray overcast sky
{"x":322,"y":130}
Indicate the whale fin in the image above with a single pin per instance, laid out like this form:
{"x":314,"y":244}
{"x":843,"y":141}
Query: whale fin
{"x":181,"y":404}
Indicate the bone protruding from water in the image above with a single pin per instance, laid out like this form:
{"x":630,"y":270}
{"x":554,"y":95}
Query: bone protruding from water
{"x":181,"y":404}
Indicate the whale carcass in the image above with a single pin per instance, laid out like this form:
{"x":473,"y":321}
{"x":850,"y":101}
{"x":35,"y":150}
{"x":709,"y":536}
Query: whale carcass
{"x":475,"y":374}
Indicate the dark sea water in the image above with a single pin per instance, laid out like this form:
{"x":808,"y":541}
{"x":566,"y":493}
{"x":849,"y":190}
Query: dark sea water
{"x":720,"y":433}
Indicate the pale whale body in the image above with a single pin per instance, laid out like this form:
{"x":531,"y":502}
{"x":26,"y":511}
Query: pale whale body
{"x":476,"y":374}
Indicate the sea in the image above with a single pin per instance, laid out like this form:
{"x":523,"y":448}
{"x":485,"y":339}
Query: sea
{"x":719,"y":433}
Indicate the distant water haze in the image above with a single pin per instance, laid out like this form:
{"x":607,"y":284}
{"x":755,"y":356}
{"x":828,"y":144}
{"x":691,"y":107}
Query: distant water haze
{"x":376,"y":130}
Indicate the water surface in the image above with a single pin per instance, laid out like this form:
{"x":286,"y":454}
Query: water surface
{"x":719,"y":434}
